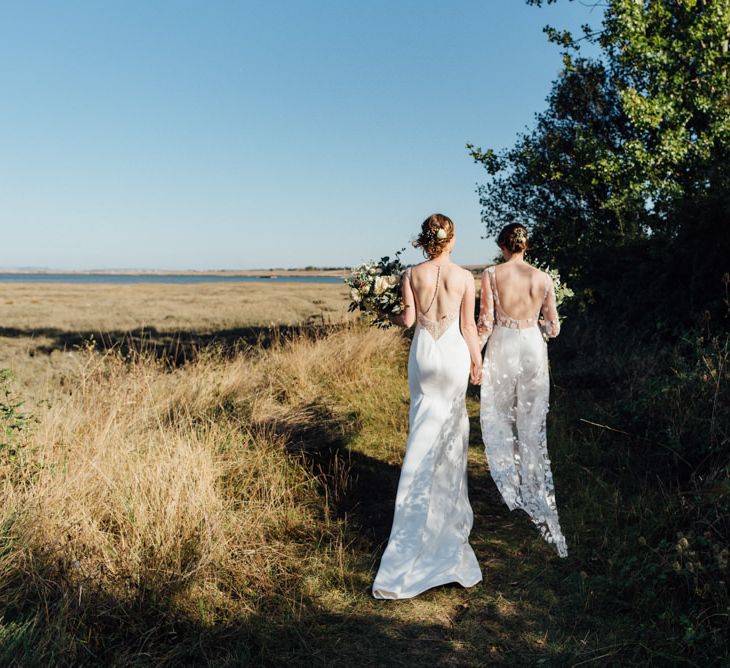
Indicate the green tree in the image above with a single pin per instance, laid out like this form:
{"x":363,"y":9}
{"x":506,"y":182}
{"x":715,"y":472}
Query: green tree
{"x":632,"y":151}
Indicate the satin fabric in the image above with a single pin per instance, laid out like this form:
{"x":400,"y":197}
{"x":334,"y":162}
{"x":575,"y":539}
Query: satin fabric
{"x":429,"y":539}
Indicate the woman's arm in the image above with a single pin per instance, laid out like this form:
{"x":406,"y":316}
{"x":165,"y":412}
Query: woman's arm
{"x":486,"y":310}
{"x":550,"y":322}
{"x":469,"y":330}
{"x":408,"y":317}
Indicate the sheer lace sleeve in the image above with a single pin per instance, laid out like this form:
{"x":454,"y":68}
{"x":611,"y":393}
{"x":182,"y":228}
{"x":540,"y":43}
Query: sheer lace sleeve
{"x":485,"y":324}
{"x":550,"y":323}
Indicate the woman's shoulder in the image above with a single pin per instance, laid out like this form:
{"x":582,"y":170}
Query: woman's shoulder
{"x":536,"y":271}
{"x":543,"y":274}
{"x":542,"y":278}
{"x":458,"y":270}
{"x":413,"y":267}
{"x":418,"y":265}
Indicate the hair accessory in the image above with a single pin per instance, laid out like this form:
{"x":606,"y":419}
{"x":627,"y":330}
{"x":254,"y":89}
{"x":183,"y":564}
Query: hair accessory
{"x":520,"y":235}
{"x":442,"y":233}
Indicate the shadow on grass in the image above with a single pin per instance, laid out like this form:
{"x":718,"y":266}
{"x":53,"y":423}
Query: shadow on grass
{"x":531,"y":609}
{"x":175,"y":346}
{"x":62,"y":630}
{"x":58,"y":621}
{"x":359,"y":488}
{"x":528,"y":593}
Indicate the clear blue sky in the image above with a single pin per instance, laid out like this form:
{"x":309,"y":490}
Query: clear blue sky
{"x":174,"y":134}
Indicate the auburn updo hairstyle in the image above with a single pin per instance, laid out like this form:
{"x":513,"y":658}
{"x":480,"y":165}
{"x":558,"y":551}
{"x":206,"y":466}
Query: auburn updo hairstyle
{"x":513,"y":237}
{"x":436,"y":233}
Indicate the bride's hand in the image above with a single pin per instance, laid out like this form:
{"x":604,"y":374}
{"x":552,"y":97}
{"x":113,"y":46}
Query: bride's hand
{"x":475,"y":373}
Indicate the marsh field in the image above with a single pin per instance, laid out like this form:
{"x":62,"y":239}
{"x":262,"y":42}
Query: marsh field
{"x":205,"y":475}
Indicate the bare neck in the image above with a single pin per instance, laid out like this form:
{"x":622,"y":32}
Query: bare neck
{"x":516,"y":258}
{"x":440,"y":260}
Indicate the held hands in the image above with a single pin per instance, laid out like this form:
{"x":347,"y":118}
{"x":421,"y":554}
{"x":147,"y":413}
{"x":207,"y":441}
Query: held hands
{"x":475,"y":372}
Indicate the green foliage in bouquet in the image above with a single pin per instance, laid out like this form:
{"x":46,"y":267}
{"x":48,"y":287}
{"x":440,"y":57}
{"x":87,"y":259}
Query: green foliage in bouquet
{"x":562,"y":292}
{"x":375,"y":289}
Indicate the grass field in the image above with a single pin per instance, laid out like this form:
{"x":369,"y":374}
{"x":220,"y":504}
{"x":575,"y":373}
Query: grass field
{"x":212,"y":482}
{"x":41,"y":324}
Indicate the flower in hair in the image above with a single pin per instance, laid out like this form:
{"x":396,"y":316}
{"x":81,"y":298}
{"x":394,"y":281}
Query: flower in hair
{"x":520,"y":236}
{"x":441,"y":234}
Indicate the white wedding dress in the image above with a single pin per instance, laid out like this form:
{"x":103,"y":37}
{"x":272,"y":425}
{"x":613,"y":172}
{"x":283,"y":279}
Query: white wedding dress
{"x":514,"y":404}
{"x":429,"y":540}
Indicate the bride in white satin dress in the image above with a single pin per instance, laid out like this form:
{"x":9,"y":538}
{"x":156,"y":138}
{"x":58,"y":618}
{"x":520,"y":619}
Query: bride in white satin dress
{"x":429,"y":539}
{"x":516,"y":382}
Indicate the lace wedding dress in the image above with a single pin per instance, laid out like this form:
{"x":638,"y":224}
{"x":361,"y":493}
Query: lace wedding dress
{"x":429,"y":540}
{"x":514,"y":404}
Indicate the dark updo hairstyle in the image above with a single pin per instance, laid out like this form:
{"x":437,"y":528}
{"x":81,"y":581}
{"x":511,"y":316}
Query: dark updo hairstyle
{"x":513,"y":237}
{"x":428,"y":240}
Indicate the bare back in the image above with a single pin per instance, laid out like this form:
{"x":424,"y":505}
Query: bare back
{"x":436,"y":300}
{"x":514,"y":294}
{"x":521,"y":289}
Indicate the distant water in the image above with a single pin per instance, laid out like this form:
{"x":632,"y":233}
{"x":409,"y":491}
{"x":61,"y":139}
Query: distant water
{"x":159,"y":278}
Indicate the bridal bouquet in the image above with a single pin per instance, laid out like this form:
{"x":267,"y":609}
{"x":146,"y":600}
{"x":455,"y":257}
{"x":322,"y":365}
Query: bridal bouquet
{"x":375,"y":289}
{"x":562,"y":291}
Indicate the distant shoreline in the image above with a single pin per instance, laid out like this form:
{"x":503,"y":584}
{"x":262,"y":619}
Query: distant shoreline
{"x":261,"y":273}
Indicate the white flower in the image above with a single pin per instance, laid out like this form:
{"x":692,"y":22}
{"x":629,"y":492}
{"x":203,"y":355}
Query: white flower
{"x":441,"y":234}
{"x":356,"y":296}
{"x":381,"y":285}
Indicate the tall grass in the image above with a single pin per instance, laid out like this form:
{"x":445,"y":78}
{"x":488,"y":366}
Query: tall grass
{"x":231,"y":510}
{"x":146,"y":500}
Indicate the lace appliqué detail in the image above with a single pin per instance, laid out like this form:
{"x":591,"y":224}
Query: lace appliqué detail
{"x":437,"y":327}
{"x":485,"y":325}
{"x":513,"y":323}
{"x":513,"y":420}
{"x":549,"y":328}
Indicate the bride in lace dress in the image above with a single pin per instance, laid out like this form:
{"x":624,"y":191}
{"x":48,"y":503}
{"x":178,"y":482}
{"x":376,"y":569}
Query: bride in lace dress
{"x":516,"y":382}
{"x":429,"y":539}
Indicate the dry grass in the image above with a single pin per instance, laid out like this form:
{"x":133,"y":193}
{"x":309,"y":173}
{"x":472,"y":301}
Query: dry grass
{"x":41,"y":326}
{"x":145,"y":496}
{"x":226,"y":511}
{"x":229,"y":507}
{"x":202,"y":306}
